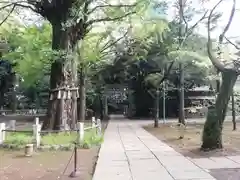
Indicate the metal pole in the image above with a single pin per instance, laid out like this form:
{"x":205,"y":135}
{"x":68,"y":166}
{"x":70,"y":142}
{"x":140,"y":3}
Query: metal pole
{"x":75,"y":158}
{"x":75,"y":173}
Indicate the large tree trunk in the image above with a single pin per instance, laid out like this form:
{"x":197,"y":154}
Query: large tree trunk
{"x":212,"y":132}
{"x":82,"y":99}
{"x":62,"y":109}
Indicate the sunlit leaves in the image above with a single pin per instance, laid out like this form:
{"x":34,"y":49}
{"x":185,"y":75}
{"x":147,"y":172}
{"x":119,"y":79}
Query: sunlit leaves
{"x":154,"y":79}
{"x":31,"y":50}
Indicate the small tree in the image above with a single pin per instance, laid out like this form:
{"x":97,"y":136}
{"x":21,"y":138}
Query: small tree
{"x":212,"y":132}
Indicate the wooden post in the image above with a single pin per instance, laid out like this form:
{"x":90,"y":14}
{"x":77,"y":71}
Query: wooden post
{"x":2,"y":132}
{"x":99,"y":127}
{"x":37,"y":120}
{"x":93,"y":122}
{"x":12,"y":125}
{"x":36,"y":132}
{"x":81,"y":131}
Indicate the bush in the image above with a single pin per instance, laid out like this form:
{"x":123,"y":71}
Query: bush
{"x":19,"y":140}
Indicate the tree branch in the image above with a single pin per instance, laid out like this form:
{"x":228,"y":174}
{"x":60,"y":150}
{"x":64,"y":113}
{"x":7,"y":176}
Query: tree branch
{"x":214,"y":59}
{"x":237,"y":47}
{"x":14,"y":6}
{"x":181,"y":13}
{"x":108,"y":19}
{"x":166,"y":74}
{"x":111,"y":6}
{"x":19,"y":4}
{"x":229,"y":22}
{"x":195,"y":25}
{"x":107,"y":45}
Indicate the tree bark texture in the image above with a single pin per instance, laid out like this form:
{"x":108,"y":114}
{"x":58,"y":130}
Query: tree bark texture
{"x":82,"y":99}
{"x":212,"y":132}
{"x":62,"y":109}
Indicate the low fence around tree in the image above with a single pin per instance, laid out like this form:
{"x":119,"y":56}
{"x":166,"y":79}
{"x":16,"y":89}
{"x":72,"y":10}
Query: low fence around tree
{"x":37,"y":132}
{"x":23,"y":112}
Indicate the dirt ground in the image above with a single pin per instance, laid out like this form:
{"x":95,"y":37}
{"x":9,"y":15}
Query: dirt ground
{"x":191,"y":143}
{"x":46,"y":165}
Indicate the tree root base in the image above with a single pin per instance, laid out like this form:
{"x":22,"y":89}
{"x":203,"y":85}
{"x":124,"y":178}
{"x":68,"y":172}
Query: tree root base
{"x":207,"y":149}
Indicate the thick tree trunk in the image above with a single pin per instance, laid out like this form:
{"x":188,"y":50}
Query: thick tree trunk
{"x":212,"y":132}
{"x":82,"y":96}
{"x":62,"y":108}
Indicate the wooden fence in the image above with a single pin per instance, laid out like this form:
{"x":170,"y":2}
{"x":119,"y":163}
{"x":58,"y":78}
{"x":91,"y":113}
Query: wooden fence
{"x":36,"y":130}
{"x":23,"y":112}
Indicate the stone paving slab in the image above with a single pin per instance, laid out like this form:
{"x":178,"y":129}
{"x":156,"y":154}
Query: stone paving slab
{"x":131,"y":153}
{"x":174,"y":162}
{"x":227,"y":163}
{"x":190,"y":175}
{"x":226,"y":174}
{"x":234,"y":158}
{"x":216,"y":163}
{"x":139,"y":155}
{"x":152,"y":176}
{"x":206,"y":163}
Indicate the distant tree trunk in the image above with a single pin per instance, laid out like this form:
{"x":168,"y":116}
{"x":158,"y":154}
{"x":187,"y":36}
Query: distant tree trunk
{"x":218,"y":86}
{"x":105,"y":117}
{"x":156,"y":124}
{"x":14,"y":95}
{"x":62,"y":81}
{"x":212,"y":132}
{"x":233,"y":112}
{"x":101,"y":107}
{"x":181,"y":117}
{"x":82,"y":96}
{"x":1,"y":99}
{"x":98,"y":105}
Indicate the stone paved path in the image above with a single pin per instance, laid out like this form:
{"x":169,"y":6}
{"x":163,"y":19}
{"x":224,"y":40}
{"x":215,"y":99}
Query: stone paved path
{"x":131,"y":153}
{"x":222,"y":168}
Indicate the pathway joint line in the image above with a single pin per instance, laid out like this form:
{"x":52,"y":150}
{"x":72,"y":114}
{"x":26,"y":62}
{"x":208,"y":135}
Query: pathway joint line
{"x":125,"y":152}
{"x":153,"y":154}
